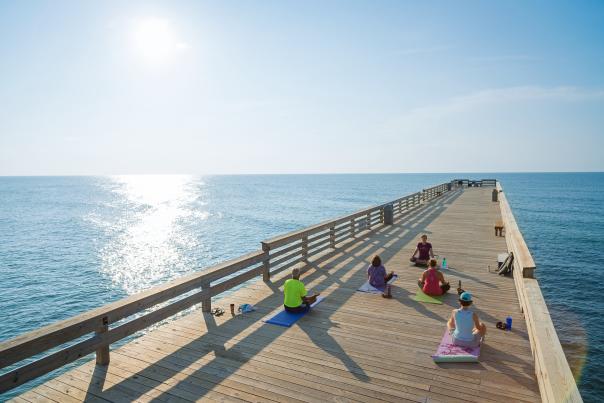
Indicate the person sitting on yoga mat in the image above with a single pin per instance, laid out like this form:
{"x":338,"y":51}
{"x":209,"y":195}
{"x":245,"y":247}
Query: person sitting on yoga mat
{"x":295,"y":299}
{"x":376,"y":275}
{"x":423,"y":251}
{"x":432,"y":281}
{"x":465,"y":327}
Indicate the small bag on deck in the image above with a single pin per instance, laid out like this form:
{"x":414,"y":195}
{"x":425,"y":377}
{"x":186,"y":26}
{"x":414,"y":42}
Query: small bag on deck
{"x":508,"y":265}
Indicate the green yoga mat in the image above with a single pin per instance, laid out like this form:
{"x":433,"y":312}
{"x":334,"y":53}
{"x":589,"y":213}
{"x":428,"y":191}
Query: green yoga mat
{"x":421,"y":297}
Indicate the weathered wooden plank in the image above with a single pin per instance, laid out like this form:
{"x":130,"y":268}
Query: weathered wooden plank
{"x":379,"y":362}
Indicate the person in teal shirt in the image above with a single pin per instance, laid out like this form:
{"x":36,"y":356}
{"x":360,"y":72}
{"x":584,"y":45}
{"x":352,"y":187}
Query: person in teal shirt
{"x":295,"y":299}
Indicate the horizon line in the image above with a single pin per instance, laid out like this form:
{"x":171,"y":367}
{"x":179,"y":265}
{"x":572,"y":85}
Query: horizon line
{"x":299,"y":174}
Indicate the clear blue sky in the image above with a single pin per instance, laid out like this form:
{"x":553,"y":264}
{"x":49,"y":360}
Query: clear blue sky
{"x":110,"y":87}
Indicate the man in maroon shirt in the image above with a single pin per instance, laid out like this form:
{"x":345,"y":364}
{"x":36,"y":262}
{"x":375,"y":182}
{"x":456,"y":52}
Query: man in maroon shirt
{"x":423,"y":252}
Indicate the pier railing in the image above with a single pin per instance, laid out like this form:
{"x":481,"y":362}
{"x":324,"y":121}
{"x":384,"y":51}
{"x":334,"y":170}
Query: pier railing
{"x":285,"y":251}
{"x":556,"y":381}
{"x":478,"y":183}
{"x":94,"y":331}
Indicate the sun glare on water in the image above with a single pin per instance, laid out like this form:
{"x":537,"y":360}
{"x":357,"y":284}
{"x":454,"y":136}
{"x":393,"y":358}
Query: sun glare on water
{"x":156,"y":40}
{"x":149,"y":242}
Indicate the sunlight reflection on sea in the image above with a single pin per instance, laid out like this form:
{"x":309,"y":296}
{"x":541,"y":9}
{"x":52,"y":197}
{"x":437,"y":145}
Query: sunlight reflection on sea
{"x":149,"y":242}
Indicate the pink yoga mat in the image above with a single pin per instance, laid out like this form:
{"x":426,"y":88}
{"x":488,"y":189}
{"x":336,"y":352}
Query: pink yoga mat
{"x":447,"y":352}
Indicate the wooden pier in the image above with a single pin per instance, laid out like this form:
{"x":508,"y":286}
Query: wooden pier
{"x":353,"y":347}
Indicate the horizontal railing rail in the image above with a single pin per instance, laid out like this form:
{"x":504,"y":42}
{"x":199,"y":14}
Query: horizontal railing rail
{"x":97,"y":322}
{"x":555,"y":379}
{"x":285,"y":251}
{"x":481,"y":182}
{"x":94,"y":331}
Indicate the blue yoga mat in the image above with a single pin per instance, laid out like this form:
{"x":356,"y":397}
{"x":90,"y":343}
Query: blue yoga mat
{"x":286,"y":319}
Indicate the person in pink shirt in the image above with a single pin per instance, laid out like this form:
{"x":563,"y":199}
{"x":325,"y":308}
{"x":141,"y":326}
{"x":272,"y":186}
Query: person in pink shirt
{"x":432,"y":281}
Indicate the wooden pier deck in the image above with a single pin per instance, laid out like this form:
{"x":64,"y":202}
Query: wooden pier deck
{"x":352,"y":347}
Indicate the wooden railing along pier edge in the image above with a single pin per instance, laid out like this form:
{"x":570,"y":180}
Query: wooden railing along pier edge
{"x":556,"y":381}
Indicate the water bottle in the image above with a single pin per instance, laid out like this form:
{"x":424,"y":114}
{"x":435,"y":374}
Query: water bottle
{"x":508,"y":322}
{"x":444,"y":265}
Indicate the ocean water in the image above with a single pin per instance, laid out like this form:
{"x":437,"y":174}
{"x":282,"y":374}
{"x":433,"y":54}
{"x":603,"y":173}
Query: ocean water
{"x":70,"y":244}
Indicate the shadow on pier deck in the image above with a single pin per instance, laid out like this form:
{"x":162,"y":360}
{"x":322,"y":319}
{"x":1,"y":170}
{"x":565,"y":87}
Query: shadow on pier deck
{"x":353,"y":347}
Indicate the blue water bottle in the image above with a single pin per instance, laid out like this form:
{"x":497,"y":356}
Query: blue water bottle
{"x":444,"y":264}
{"x":508,"y":323}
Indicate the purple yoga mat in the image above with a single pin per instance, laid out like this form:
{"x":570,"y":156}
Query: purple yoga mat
{"x":447,"y":352}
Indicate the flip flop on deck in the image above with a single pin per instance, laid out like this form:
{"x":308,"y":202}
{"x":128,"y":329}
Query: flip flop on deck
{"x":286,"y":319}
{"x":429,"y":299}
{"x":448,"y":352}
{"x":373,"y":290}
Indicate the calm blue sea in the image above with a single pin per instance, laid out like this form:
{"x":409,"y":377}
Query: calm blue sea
{"x":69,"y":244}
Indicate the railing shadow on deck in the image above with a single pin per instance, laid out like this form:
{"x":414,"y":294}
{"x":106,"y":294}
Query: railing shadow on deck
{"x":244,"y":349}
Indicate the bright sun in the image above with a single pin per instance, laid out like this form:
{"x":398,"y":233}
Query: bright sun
{"x":155,"y":40}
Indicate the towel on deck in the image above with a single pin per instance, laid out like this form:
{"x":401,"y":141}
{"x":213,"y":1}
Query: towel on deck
{"x":371,"y":289}
{"x":448,"y":352}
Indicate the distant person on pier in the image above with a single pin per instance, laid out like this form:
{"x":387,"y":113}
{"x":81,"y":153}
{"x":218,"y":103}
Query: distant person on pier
{"x":432,"y":282}
{"x":465,"y":327}
{"x":295,"y":296}
{"x":377,"y":277}
{"x":423,"y":252}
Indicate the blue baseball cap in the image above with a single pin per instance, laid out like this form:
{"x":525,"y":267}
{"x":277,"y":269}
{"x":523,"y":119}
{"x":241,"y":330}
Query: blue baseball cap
{"x":466,"y":297}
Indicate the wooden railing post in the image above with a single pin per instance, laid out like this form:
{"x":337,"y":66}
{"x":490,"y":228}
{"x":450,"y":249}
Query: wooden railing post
{"x":305,"y":248}
{"x":206,"y":303}
{"x":102,"y":354}
{"x":368,"y":219}
{"x":352,"y":230}
{"x":266,"y":263}
{"x":332,"y":237}
{"x":388,"y":214}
